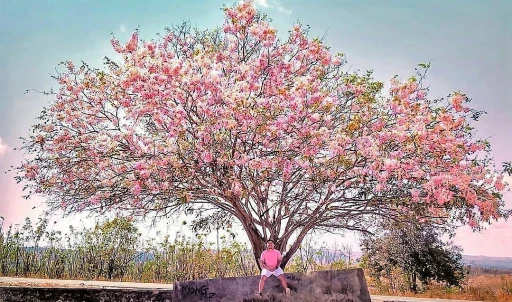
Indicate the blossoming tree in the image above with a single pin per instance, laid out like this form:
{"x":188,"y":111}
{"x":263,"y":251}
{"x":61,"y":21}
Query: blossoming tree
{"x":272,"y":132}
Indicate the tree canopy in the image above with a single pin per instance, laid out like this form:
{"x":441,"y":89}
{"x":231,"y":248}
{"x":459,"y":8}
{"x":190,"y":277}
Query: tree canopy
{"x":415,"y":249}
{"x":272,"y":132}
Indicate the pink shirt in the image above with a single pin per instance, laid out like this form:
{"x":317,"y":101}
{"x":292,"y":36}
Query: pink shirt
{"x":270,"y":257}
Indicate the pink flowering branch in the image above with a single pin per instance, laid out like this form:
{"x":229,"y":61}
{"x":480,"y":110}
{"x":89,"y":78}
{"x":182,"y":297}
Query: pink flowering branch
{"x":271,"y":132}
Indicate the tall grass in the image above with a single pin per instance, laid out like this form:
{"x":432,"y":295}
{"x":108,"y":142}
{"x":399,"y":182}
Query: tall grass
{"x":115,"y":250}
{"x":492,"y":287}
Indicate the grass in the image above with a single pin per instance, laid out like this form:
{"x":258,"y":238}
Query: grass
{"x":488,"y":287}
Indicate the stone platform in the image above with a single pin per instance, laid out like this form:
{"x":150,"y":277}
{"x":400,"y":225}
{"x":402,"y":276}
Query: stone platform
{"x":321,"y":286}
{"x":51,"y":290}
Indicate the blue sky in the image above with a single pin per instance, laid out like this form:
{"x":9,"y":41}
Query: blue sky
{"x":469,"y":43}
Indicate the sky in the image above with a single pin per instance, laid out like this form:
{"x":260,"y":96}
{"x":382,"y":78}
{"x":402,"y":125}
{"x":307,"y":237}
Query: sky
{"x":469,"y":43}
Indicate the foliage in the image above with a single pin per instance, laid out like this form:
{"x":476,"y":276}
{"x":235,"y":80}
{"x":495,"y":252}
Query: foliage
{"x":314,"y":256}
{"x":115,"y":250}
{"x":271,"y":132}
{"x":414,"y":252}
{"x":487,"y":287}
{"x":108,"y":248}
{"x":61,"y":256}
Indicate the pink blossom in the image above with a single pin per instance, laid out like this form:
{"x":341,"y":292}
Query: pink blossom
{"x":136,"y":189}
{"x":499,"y":185}
{"x":457,"y":100}
{"x":264,"y":110}
{"x":415,"y":193}
{"x":206,"y":156}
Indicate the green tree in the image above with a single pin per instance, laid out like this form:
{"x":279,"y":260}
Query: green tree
{"x":416,"y":250}
{"x":109,"y":248}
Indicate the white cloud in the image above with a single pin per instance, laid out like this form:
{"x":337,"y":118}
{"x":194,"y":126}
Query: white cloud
{"x":274,"y":4}
{"x":3,"y":147}
{"x":262,"y":3}
{"x":122,"y":28}
{"x":283,"y":10}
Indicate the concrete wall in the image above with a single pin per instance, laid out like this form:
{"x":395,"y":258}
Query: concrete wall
{"x":63,"y":294}
{"x":331,"y":286}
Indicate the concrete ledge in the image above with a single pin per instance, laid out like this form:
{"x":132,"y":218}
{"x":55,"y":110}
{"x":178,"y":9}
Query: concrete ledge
{"x":332,"y":286}
{"x":52,"y":290}
{"x":376,"y":298}
{"x":34,"y":282}
{"x":73,"y":294}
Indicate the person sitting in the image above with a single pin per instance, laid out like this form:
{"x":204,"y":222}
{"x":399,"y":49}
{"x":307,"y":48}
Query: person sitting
{"x":270,"y":262}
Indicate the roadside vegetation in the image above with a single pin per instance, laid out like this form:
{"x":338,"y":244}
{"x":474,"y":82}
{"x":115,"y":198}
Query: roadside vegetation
{"x":117,"y":250}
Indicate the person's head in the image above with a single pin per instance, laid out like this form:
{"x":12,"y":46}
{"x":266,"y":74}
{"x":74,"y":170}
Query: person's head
{"x":270,"y":244}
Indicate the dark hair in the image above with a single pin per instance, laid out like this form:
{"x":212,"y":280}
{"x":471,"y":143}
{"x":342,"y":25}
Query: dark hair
{"x":270,"y":240}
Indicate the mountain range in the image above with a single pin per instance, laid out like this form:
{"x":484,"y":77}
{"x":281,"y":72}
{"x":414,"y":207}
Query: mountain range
{"x":482,"y":261}
{"x":488,"y":262}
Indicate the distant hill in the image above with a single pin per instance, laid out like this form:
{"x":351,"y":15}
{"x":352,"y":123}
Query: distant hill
{"x":483,"y":261}
{"x":488,"y":262}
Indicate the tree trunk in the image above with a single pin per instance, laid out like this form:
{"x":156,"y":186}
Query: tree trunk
{"x":413,"y":286}
{"x":256,"y":240}
{"x":294,"y":247}
{"x":258,"y":243}
{"x":286,"y":259}
{"x":257,"y":254}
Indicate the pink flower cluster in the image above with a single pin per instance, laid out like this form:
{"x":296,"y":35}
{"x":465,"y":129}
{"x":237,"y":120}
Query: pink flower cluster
{"x":230,"y":114}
